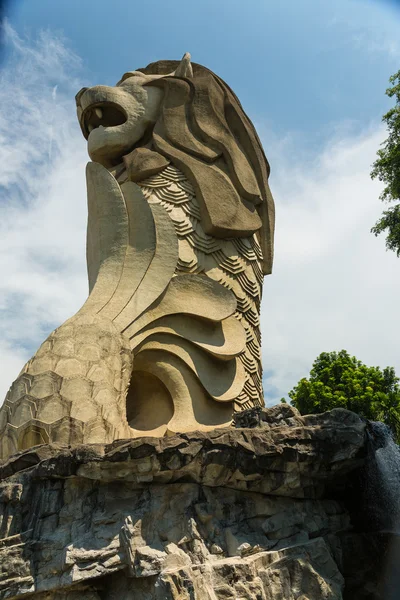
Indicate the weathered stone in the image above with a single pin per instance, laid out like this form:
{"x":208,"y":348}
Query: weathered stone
{"x":285,"y":461}
{"x":232,"y":513}
{"x":180,"y":235}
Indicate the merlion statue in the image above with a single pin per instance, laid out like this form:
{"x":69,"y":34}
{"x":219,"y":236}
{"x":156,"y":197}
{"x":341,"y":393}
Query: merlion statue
{"x":180,"y":235}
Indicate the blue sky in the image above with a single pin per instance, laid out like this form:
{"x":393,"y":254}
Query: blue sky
{"x":310,"y":74}
{"x":301,"y":64}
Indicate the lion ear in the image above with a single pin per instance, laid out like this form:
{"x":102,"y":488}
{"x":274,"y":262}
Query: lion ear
{"x":184,"y":68}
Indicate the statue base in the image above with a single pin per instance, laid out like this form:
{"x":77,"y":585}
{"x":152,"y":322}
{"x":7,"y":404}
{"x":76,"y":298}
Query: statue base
{"x":234,"y":513}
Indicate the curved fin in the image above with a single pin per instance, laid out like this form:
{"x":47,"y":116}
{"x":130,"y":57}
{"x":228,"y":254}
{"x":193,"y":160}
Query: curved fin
{"x":223,"y":340}
{"x":140,"y":249}
{"x":223,"y":380}
{"x":193,"y":408}
{"x":107,"y":235}
{"x":189,"y":294}
{"x":159,"y":273}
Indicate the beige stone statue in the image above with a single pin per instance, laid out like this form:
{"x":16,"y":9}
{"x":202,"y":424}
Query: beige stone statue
{"x":180,"y":234}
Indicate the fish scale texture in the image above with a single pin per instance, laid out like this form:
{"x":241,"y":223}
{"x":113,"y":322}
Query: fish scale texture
{"x":234,"y":262}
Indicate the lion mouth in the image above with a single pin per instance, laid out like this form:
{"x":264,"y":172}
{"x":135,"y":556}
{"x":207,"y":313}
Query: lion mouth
{"x":101,"y":114}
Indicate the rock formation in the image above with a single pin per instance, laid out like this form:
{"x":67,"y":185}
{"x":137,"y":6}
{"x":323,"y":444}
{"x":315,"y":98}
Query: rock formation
{"x":221,"y":515}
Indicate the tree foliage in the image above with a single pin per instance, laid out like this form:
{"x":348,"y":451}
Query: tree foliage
{"x":387,"y":169}
{"x":338,"y":380}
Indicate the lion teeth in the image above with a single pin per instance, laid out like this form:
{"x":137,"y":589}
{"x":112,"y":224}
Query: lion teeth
{"x":98,"y":112}
{"x":90,"y":127}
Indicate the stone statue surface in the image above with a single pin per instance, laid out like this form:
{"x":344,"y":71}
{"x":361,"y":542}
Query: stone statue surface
{"x":180,"y":235}
{"x":129,"y":468}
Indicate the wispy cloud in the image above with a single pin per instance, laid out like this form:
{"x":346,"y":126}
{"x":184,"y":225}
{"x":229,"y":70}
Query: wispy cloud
{"x":42,"y":196}
{"x":376,"y":43}
{"x":334,"y":286}
{"x":368,"y":26}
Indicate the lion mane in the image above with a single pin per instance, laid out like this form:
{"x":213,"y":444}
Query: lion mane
{"x":203,"y":130}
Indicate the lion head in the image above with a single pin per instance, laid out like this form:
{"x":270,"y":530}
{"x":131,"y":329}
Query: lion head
{"x":187,"y":115}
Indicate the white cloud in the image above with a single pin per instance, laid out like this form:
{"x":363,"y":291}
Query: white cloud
{"x":376,"y":43}
{"x":42,"y":197}
{"x":333,"y":285}
{"x":368,"y":26}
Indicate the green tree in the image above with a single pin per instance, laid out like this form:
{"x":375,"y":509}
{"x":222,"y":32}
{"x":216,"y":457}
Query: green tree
{"x":387,"y":169}
{"x":338,"y":380}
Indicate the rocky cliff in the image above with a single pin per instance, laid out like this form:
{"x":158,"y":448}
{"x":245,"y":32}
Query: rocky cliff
{"x":240,"y":513}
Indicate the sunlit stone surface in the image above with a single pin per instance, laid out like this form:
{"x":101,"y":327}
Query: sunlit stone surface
{"x":227,"y":514}
{"x":180,"y":235}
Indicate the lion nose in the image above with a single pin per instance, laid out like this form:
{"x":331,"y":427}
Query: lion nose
{"x":79,"y":94}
